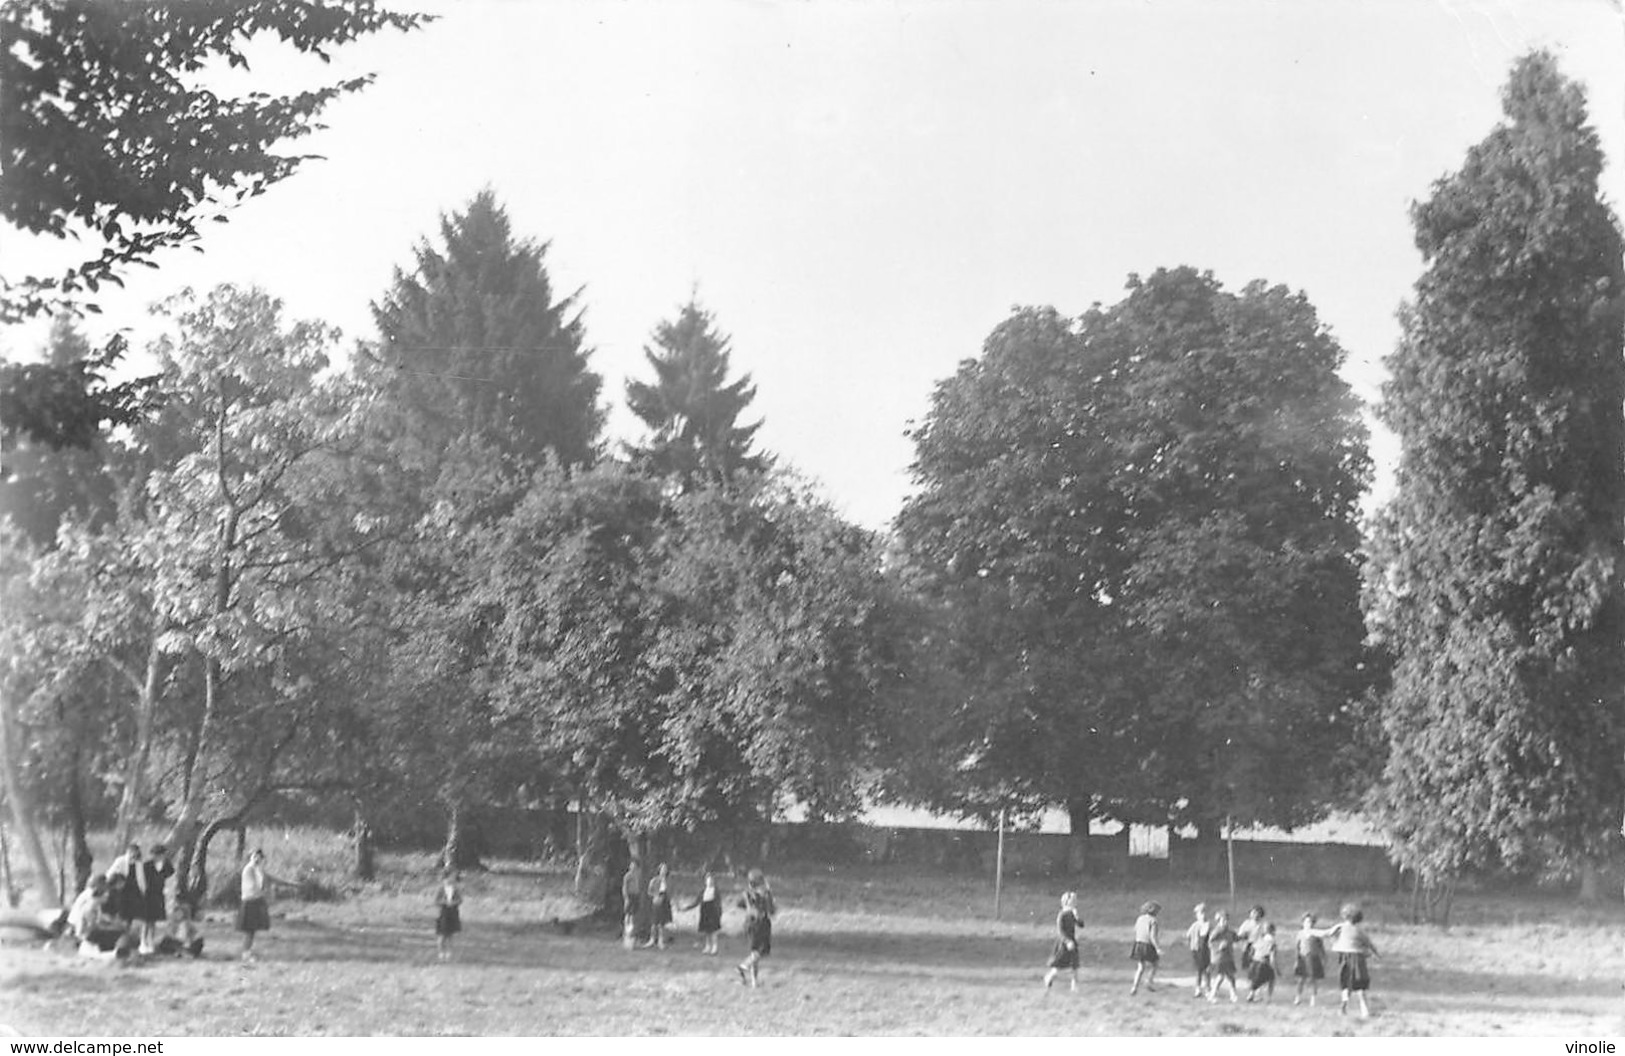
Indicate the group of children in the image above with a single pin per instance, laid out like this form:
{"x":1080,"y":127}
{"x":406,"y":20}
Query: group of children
{"x":1213,"y":947}
{"x":119,"y":911}
{"x":656,"y":899}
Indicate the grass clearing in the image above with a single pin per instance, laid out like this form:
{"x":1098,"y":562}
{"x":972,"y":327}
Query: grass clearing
{"x":869,"y":951}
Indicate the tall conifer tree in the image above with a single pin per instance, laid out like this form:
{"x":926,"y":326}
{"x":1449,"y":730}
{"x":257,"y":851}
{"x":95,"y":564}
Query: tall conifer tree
{"x":1495,"y":571}
{"x":691,"y":410}
{"x":475,"y":343}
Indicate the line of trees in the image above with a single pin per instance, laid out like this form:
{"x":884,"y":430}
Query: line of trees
{"x":1132,"y":580}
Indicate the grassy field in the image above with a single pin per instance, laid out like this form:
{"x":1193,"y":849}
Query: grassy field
{"x":856,"y":951}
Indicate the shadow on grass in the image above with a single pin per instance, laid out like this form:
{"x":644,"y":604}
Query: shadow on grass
{"x":68,"y":983}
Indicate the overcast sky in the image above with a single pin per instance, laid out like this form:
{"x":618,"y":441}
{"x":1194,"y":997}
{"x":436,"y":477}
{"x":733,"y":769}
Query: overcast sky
{"x":861,"y":191}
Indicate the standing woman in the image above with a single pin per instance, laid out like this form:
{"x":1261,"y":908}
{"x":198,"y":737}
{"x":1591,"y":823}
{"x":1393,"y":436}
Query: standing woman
{"x":1065,"y":952}
{"x":757,"y":903}
{"x":254,"y":915}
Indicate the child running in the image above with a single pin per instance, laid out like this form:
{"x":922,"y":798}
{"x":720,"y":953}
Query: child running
{"x":1065,"y":952}
{"x":757,"y":902}
{"x":1354,"y":949}
{"x":1221,"y":943}
{"x":1261,"y":976}
{"x":1311,"y":966}
{"x":1146,"y":951}
{"x":1201,"y":957}
{"x":449,"y":897}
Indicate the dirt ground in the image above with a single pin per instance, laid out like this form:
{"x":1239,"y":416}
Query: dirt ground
{"x":859,"y":951}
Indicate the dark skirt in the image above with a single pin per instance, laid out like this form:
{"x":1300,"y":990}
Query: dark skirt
{"x":450,"y":921}
{"x":1201,"y":959}
{"x":1310,"y":967}
{"x":1261,"y":974}
{"x":661,"y":909}
{"x":710,"y":917}
{"x":760,"y":930}
{"x":1063,"y":956}
{"x":1143,"y":952}
{"x":1353,"y":972}
{"x":253,"y":915}
{"x":1225,"y":963}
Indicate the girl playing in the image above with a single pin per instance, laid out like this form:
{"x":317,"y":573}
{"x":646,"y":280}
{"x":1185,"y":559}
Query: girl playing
{"x":1354,"y":950}
{"x":1221,"y":942}
{"x":1065,"y":952}
{"x":1146,"y":951}
{"x":710,"y":903}
{"x":449,"y":897}
{"x":1201,"y":957}
{"x":1311,"y":966}
{"x":1248,"y":933}
{"x":1262,"y":974}
{"x":659,"y":907}
{"x":254,"y":915}
{"x":757,"y":902}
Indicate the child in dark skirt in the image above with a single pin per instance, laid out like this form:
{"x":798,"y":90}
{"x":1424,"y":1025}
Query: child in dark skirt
{"x":254,"y":915}
{"x":1064,"y":954}
{"x":1354,"y":950}
{"x":449,"y":921}
{"x":1311,"y":966}
{"x":757,"y":902}
{"x":1146,"y":951}
{"x":710,"y":926}
{"x":1261,"y":975}
{"x":659,"y":907}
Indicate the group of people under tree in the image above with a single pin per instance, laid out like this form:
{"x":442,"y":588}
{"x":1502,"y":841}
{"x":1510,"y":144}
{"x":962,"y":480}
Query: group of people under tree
{"x":654,"y":900}
{"x":120,"y":911}
{"x":1213,"y":945}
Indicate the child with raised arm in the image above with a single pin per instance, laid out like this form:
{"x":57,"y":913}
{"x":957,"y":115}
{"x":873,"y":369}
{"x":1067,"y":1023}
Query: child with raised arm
{"x":1354,"y":950}
{"x":254,"y":915}
{"x":1146,"y":951}
{"x":1064,"y":954}
{"x":1311,"y":966}
{"x":1201,"y":957}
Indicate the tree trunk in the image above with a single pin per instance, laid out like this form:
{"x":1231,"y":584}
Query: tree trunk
{"x":199,"y":888}
{"x":1209,"y":850}
{"x":597,"y":882}
{"x":22,"y":813}
{"x":78,"y":834}
{"x":135,"y":768}
{"x":460,"y":851}
{"x":366,"y":866}
{"x":1590,"y":881}
{"x":1079,"y":813}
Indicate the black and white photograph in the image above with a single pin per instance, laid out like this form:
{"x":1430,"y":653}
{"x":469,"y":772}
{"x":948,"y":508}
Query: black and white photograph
{"x":724,"y":519}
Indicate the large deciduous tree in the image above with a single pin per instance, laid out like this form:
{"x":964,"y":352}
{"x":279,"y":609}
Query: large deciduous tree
{"x":691,"y":410}
{"x":1495,"y":570}
{"x":1144,"y":524}
{"x":109,"y":128}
